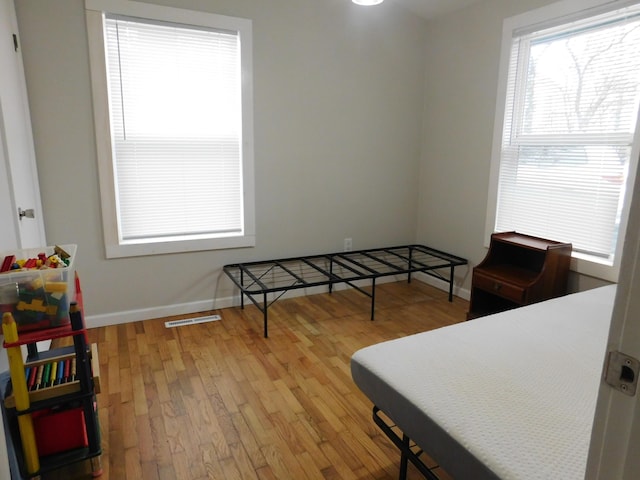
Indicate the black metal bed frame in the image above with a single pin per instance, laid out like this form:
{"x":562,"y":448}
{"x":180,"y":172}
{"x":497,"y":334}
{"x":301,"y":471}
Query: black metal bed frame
{"x":258,"y":280}
{"x":409,"y":451}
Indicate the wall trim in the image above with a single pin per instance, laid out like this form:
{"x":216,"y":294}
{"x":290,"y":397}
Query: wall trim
{"x":458,"y":291}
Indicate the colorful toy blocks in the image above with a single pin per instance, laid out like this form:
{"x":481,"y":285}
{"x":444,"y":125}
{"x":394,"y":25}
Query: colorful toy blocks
{"x":8,"y":261}
{"x":37,"y":286}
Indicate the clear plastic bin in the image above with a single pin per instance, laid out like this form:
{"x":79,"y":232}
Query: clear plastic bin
{"x":38,"y":297}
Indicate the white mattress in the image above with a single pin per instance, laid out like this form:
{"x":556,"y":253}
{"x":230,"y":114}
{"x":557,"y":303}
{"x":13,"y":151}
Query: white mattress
{"x":508,"y":396}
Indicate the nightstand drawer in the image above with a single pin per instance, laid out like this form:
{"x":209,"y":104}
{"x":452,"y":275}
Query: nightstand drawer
{"x":505,"y":290}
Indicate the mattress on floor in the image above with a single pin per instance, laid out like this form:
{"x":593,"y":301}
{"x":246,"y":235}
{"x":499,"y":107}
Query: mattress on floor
{"x":509,"y":396}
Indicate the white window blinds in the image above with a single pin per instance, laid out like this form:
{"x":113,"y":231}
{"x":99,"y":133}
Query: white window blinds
{"x":175,"y":99}
{"x":570,"y":118}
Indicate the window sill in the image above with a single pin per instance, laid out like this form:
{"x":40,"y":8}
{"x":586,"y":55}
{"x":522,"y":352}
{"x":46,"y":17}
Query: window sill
{"x":161,"y":247}
{"x":587,"y":265}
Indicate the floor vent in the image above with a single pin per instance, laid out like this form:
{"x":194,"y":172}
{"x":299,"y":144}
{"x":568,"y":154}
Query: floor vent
{"x":191,"y":321}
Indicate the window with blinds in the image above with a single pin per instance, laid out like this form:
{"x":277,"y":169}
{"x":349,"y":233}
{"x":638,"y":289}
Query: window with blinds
{"x":176,"y":128}
{"x":571,"y":108}
{"x":173,"y":87}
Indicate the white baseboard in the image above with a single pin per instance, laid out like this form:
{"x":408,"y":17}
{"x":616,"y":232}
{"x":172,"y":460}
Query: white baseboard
{"x":458,"y":291}
{"x":93,"y":321}
{"x":128,"y":316}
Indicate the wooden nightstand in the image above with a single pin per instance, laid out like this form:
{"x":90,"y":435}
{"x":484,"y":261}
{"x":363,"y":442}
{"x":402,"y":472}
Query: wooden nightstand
{"x":518,"y":270}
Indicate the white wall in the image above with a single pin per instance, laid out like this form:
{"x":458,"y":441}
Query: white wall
{"x":338,"y":112}
{"x":462,"y":54}
{"x":370,"y":123}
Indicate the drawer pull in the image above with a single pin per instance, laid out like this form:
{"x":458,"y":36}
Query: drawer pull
{"x":497,"y":287}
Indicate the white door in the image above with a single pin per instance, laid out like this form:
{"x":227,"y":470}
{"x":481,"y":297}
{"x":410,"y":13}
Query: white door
{"x":18,"y":174}
{"x":615,"y":439}
{"x":8,"y":234}
{"x":19,"y":187}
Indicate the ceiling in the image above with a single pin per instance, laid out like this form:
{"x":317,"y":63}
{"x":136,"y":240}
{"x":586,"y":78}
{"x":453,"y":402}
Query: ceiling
{"x":432,"y":8}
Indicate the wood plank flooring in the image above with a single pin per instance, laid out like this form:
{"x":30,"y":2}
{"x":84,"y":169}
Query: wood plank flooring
{"x":218,"y":401}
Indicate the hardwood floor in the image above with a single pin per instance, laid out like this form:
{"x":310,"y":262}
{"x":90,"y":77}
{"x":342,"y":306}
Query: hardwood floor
{"x":218,"y":401}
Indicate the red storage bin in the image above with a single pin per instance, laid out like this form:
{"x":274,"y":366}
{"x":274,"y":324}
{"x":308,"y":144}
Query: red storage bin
{"x":59,"y":431}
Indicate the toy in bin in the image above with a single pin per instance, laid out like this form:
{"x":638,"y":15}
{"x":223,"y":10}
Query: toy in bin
{"x":37,"y":286}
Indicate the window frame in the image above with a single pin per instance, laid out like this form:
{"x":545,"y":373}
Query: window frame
{"x":556,"y":14}
{"x":115,"y":247}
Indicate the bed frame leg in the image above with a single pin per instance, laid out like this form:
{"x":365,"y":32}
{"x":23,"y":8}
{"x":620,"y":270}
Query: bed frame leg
{"x":264,"y":316}
{"x":373,"y":298}
{"x":404,"y":459}
{"x":404,"y":445}
{"x":241,"y":292}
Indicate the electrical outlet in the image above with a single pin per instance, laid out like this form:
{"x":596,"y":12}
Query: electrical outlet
{"x":348,"y":244}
